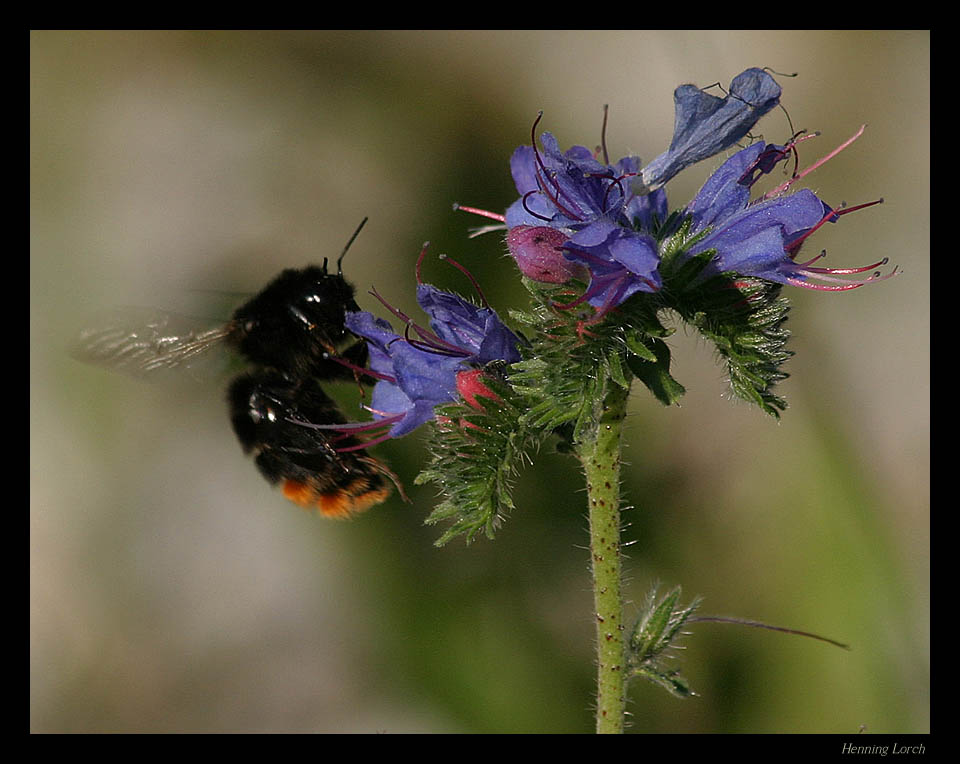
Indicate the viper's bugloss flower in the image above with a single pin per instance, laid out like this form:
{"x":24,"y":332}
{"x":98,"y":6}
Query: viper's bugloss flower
{"x":706,"y":124}
{"x":762,"y":238}
{"x":415,"y":375}
{"x":568,"y":190}
{"x":608,"y":218}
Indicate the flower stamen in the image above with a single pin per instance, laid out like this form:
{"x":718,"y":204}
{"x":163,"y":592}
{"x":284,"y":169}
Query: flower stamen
{"x":771,"y":155}
{"x":348,"y":428}
{"x":357,"y":369}
{"x":423,"y":254}
{"x":529,"y":211}
{"x":847,"y":271}
{"x":429,"y":345}
{"x":616,"y":181}
{"x":470,"y":276}
{"x":823,"y":160}
{"x":793,"y":247}
{"x":476,"y":211}
{"x":544,"y":175}
{"x":428,"y":336}
{"x":603,"y":135}
{"x":840,"y":285}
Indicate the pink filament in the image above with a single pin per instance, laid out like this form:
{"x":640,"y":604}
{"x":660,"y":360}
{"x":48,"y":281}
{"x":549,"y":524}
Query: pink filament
{"x":786,"y":184}
{"x":484,"y":213}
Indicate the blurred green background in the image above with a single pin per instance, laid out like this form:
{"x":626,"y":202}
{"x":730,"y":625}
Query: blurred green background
{"x":173,"y":591}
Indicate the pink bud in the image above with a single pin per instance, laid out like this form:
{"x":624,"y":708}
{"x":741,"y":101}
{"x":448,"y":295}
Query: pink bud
{"x":539,"y":257}
{"x":470,"y":385}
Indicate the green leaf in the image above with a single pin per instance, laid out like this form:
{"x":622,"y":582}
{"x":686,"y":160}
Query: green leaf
{"x":671,"y":681}
{"x":634,"y":339}
{"x":616,"y":371}
{"x":655,"y":635}
{"x":656,"y":374}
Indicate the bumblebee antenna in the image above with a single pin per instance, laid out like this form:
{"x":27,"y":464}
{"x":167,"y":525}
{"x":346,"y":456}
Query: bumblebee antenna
{"x":352,"y":238}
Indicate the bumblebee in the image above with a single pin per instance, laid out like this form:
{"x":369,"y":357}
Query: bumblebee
{"x":292,"y":338}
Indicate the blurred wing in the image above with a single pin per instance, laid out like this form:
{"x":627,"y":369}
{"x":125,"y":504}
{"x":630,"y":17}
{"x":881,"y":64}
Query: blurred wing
{"x":147,"y":343}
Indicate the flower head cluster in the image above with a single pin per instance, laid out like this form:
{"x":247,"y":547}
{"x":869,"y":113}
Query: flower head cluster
{"x":580,"y":217}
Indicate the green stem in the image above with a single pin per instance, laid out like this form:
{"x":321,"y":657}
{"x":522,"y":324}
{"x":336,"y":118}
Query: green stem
{"x":599,"y":453}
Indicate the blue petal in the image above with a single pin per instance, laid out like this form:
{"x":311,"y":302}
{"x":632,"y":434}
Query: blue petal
{"x":425,"y":376}
{"x":377,"y":332}
{"x":617,"y":246}
{"x":498,"y":344}
{"x":423,"y":380}
{"x":759,"y":254}
{"x":621,"y":262}
{"x":594,"y":235}
{"x":792,"y":213}
{"x":477,"y":331}
{"x":637,"y":252}
{"x":523,"y":168}
{"x":644,"y":209}
{"x":722,"y":196}
{"x":389,"y":399}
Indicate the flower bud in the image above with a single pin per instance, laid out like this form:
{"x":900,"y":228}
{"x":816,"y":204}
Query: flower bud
{"x":471,"y":386}
{"x":537,"y":252}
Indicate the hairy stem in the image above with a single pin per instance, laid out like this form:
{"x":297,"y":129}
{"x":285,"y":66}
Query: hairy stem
{"x":599,"y":453}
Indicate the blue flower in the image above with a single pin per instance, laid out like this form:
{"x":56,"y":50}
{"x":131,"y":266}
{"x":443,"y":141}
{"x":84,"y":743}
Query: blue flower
{"x":416,"y":375}
{"x":608,"y":218}
{"x":762,"y":238}
{"x":475,"y":333}
{"x":572,"y":189}
{"x":706,"y":124}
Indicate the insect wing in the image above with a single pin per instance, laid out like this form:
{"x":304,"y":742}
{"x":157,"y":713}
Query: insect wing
{"x":147,"y":344}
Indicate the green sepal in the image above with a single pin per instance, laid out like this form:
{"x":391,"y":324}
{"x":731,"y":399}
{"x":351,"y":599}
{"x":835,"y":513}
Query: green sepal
{"x":682,"y":275}
{"x":568,"y":364}
{"x":616,"y":371}
{"x":639,"y":316}
{"x":742,"y":316}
